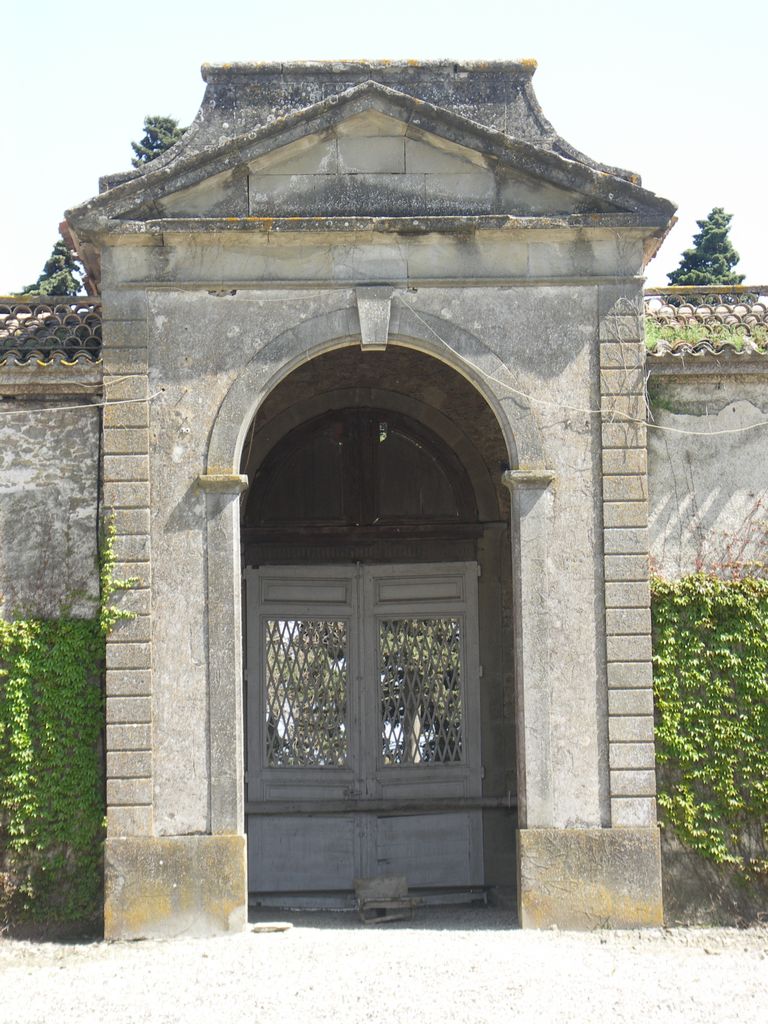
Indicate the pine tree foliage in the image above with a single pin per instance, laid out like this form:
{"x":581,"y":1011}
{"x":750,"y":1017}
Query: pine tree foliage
{"x":712,"y":258}
{"x":61,"y":275}
{"x":160,"y":133}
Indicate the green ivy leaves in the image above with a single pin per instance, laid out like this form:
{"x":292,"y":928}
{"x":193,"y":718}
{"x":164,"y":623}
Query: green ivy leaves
{"x":51,"y":759}
{"x":711,"y":690}
{"x":51,"y":789}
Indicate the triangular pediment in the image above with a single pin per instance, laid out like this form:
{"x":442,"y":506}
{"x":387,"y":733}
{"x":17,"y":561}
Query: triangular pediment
{"x":371,"y":152}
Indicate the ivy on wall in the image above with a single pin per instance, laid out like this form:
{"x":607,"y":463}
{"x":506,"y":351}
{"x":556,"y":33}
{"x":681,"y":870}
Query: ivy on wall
{"x":711,"y":691}
{"x":51,"y":763}
{"x":51,"y":789}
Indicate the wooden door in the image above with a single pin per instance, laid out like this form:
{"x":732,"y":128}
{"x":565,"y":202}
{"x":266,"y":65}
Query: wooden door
{"x":362,"y":726}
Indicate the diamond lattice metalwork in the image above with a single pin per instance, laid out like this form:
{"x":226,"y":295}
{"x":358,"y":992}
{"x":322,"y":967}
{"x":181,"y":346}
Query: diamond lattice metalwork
{"x":306,"y":693}
{"x":420,"y":679}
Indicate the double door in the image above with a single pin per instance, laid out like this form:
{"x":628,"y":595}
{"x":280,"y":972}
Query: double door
{"x":362,"y":719}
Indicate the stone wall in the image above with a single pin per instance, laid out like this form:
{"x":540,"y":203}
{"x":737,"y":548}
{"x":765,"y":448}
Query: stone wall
{"x":49,"y":487}
{"x":709,"y":487}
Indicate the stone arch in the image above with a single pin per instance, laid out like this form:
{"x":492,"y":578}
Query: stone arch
{"x":434,"y":336}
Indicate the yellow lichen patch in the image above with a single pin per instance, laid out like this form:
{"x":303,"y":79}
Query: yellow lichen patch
{"x":529,"y":62}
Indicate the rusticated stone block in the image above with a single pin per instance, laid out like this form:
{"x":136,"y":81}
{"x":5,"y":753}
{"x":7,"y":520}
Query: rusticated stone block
{"x":626,"y":355}
{"x":137,"y":629}
{"x":627,"y":621}
{"x":129,"y":737}
{"x":630,"y":729}
{"x":626,"y":542}
{"x":126,"y":495}
{"x":627,"y":595}
{"x":126,"y":441}
{"x":583,"y":879}
{"x":622,"y":382}
{"x":619,"y":433}
{"x":128,"y":710}
{"x":128,"y":655}
{"x":129,"y":820}
{"x":129,"y":764}
{"x":625,"y":488}
{"x":132,"y":521}
{"x":633,"y":811}
{"x":625,"y":513}
{"x":628,"y":674}
{"x":619,"y":327}
{"x":126,"y":414}
{"x":629,"y":568}
{"x":180,"y":885}
{"x":633,"y":782}
{"x":630,"y":702}
{"x":623,"y":461}
{"x":129,"y":682}
{"x":126,"y":467}
{"x":629,"y":648}
{"x":129,"y":792}
{"x":632,"y":755}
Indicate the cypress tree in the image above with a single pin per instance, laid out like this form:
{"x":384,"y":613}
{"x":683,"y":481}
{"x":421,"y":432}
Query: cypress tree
{"x":712,"y":257}
{"x":160,"y":133}
{"x":61,"y":274}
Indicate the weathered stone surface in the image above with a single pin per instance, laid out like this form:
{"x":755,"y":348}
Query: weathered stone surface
{"x":626,"y":542}
{"x":709,"y":493}
{"x":625,"y":513}
{"x":629,"y":674}
{"x":173,"y":886}
{"x":128,"y":682}
{"x":590,"y":878}
{"x":625,"y":621}
{"x":630,"y":728}
{"x":129,"y":764}
{"x":630,"y":702}
{"x":622,"y":355}
{"x":633,"y":783}
{"x":126,"y":441}
{"x":622,"y":382}
{"x":633,"y":811}
{"x":129,"y":820}
{"x":627,"y":595}
{"x":132,"y":710}
{"x":625,"y":488}
{"x":129,"y":737}
{"x":624,"y":461}
{"x":629,"y":568}
{"x":629,"y":648}
{"x":131,"y":792}
{"x":48,"y":509}
{"x":632,"y":755}
{"x":126,"y":495}
{"x":122,"y":468}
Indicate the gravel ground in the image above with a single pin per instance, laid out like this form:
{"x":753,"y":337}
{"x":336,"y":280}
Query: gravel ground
{"x":448,"y":964}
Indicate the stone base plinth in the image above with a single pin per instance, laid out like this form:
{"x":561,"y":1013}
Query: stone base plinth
{"x":160,"y":887}
{"x":589,"y":878}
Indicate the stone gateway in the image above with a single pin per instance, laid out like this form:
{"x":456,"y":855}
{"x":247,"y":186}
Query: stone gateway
{"x":375,"y":446}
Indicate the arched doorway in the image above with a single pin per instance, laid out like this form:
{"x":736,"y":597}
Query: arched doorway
{"x":379,"y":712}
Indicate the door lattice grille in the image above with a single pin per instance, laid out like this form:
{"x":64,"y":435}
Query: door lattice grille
{"x":306,"y":690}
{"x":420,"y":680}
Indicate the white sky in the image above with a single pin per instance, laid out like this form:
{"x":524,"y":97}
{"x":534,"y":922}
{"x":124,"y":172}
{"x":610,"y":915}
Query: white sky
{"x":674,"y":90}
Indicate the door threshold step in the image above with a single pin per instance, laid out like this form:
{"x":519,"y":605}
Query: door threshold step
{"x":342,"y":900}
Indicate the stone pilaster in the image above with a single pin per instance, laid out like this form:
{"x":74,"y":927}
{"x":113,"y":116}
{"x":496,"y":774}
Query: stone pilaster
{"x":625,"y":541}
{"x":126,"y":495}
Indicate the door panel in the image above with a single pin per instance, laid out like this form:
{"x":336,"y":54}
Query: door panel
{"x":363,"y":687}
